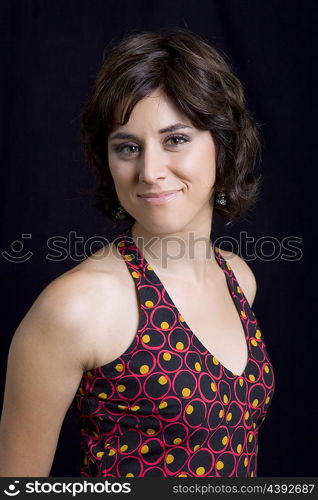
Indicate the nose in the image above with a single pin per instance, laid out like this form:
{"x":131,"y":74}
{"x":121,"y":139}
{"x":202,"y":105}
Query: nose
{"x":152,"y":165}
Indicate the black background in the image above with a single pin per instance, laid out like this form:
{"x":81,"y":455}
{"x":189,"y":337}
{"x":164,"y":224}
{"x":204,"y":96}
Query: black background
{"x":50,"y":53}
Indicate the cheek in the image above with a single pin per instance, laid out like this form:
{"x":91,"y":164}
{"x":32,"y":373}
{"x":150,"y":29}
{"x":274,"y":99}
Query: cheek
{"x":121,"y":174}
{"x":198,"y":167}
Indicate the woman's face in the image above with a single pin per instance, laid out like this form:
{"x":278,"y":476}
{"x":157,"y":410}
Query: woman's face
{"x":147,"y":158}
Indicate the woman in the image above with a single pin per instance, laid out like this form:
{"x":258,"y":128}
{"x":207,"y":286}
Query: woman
{"x":152,"y":339}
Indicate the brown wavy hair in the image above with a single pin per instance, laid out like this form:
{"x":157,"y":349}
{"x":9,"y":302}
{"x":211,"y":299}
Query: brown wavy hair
{"x":197,"y":78}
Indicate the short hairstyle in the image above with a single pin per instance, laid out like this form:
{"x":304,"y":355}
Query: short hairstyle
{"x":197,"y":78}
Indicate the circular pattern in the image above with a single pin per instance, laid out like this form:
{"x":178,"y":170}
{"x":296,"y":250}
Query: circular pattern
{"x":167,"y":407}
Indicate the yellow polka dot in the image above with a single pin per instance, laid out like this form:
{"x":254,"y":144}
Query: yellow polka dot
{"x":225,"y":398}
{"x":121,"y":388}
{"x":166,"y":356}
{"x":251,"y":377}
{"x":241,"y":382}
{"x":102,"y":395}
{"x":162,"y":380}
{"x":213,"y":386}
{"x":179,"y":346}
{"x":215,"y":361}
{"x":177,"y":441}
{"x":228,"y":266}
{"x":149,"y":303}
{"x":196,"y":447}
{"x":145,"y":338}
{"x":239,"y":448}
{"x":95,"y":434}
{"x":254,"y":425}
{"x":197,"y":366}
{"x":100,"y":454}
{"x":255,"y":403}
{"x":258,"y":334}
{"x":200,"y":471}
{"x":121,"y":244}
{"x":119,"y":367}
{"x":181,"y":318}
{"x":169,"y":458}
{"x":266,"y":368}
{"x":229,"y":417}
{"x":130,"y":474}
{"x":150,"y":431}
{"x":245,"y":461}
{"x":144,"y":369}
{"x":221,"y":413}
{"x":149,"y":267}
{"x":128,"y":257}
{"x":254,"y":343}
{"x":182,"y":475}
{"x":252,"y":474}
{"x":135,"y":408}
{"x":243,"y":314}
{"x":122,"y":407}
{"x":89,"y":374}
{"x":247,"y":414}
{"x":250,"y":438}
{"x":189,"y":409}
{"x":267,"y":400}
{"x":163,"y":404}
{"x":238,"y":289}
{"x":135,"y":274}
{"x":124,"y":447}
{"x":164,"y":325}
{"x":219,"y":465}
{"x":225,"y":440}
{"x":144,"y":449}
{"x":111,"y":453}
{"x":186,"y":392}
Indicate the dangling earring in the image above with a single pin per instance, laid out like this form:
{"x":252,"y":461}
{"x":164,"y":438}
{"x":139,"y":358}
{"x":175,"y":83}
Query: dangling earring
{"x":120,"y":212}
{"x":220,"y":199}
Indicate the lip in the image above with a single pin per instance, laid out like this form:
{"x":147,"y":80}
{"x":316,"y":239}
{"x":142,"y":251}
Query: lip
{"x":158,"y":195}
{"x":159,"y":198}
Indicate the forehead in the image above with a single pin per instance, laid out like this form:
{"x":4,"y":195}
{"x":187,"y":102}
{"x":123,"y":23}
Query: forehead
{"x":153,"y":108}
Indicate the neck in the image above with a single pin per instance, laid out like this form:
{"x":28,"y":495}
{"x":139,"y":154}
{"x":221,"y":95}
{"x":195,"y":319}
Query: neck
{"x":186,"y":254}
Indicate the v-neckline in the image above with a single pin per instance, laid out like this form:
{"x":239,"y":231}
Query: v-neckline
{"x":222,"y":263}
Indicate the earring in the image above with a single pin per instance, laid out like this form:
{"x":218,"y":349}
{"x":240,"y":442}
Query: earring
{"x":119,"y":214}
{"x":220,"y":199}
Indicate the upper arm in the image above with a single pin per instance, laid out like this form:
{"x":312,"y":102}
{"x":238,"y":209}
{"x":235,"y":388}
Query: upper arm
{"x":44,"y":369}
{"x":243,"y":274}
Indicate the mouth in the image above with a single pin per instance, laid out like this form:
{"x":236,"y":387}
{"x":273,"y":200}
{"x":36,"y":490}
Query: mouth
{"x":159,"y":198}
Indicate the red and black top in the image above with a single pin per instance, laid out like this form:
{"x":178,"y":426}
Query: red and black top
{"x":167,"y":407}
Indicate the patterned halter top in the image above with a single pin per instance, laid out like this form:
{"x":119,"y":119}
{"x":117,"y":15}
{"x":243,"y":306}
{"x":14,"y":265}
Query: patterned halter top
{"x":167,"y":407}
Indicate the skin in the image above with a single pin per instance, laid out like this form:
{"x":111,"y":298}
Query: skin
{"x":167,"y":162}
{"x":76,"y":323}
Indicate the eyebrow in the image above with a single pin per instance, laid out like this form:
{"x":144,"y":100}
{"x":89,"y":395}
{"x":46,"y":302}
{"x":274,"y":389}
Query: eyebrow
{"x":171,"y":128}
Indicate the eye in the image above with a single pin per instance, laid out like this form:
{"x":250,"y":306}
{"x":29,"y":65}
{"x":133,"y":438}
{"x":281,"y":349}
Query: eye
{"x":126,"y":149}
{"x":179,"y":139}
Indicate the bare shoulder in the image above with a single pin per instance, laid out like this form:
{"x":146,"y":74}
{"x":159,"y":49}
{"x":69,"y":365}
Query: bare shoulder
{"x":243,"y":274}
{"x":74,"y":293}
{"x":74,"y":305}
{"x":61,"y":334}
